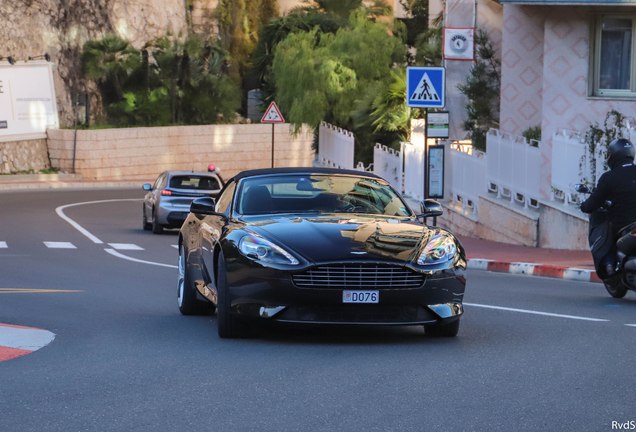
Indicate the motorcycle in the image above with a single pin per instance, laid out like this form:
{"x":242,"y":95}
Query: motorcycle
{"x":600,"y":239}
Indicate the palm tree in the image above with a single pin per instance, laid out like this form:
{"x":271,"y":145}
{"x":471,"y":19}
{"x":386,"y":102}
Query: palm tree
{"x":112,"y":60}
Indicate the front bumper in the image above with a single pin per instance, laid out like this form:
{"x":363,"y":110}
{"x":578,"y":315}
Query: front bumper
{"x":262,"y":293}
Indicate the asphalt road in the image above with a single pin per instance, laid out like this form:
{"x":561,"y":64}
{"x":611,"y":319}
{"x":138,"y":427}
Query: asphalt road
{"x":124,"y":359}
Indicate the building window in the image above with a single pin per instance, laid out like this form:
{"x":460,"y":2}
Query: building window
{"x":614,"y":60}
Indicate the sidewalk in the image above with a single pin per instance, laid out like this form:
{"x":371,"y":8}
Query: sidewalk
{"x":529,"y":261}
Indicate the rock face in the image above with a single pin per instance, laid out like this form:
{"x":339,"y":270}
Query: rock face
{"x":19,"y":156}
{"x":61,"y":27}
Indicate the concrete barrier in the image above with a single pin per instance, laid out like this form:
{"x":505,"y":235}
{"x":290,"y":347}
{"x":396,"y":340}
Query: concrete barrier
{"x":141,"y":153}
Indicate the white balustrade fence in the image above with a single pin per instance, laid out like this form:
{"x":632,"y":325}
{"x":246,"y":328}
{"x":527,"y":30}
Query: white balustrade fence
{"x":469,"y":178}
{"x":513,"y":168}
{"x":413,"y":171}
{"x":335,"y":146}
{"x":568,"y":160}
{"x":387,"y":163}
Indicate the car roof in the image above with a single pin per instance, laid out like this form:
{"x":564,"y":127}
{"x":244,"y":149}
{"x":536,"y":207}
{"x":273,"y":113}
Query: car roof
{"x":302,"y":170}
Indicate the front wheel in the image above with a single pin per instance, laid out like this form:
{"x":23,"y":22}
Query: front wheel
{"x":186,"y":293}
{"x":617,"y":291}
{"x":229,"y":327}
{"x":442,"y":330}
{"x":146,"y":225}
{"x":157,"y":228}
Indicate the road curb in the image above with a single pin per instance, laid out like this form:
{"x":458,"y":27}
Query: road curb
{"x":532,"y":269}
{"x":16,"y":341}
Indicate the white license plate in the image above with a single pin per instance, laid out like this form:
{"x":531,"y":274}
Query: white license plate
{"x":360,"y":296}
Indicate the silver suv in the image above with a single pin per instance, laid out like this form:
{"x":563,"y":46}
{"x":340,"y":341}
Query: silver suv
{"x":167,"y":203}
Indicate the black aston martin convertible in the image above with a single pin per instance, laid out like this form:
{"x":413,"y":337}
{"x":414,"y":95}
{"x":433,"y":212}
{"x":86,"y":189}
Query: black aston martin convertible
{"x":318,"y":245}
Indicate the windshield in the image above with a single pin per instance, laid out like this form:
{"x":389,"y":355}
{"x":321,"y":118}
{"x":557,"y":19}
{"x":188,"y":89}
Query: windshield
{"x":194,"y":182}
{"x":327,"y":193}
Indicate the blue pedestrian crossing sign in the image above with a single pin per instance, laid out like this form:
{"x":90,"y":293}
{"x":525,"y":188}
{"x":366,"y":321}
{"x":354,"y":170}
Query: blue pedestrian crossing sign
{"x":425,"y":87}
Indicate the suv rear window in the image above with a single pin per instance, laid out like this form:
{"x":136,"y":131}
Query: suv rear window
{"x":194,"y":182}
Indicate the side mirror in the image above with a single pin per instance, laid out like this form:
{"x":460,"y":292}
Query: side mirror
{"x":204,"y":206}
{"x":431,"y":208}
{"x":147,"y":187}
{"x":581,"y":188}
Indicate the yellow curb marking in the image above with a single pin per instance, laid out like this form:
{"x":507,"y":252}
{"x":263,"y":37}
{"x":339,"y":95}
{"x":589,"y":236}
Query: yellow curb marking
{"x":29,"y":291}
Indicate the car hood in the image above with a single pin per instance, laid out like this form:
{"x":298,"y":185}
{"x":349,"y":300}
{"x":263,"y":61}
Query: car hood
{"x":326,"y":239}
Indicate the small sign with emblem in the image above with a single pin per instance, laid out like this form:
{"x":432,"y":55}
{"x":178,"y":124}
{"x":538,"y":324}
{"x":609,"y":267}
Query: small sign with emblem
{"x":4,"y":124}
{"x":459,"y":43}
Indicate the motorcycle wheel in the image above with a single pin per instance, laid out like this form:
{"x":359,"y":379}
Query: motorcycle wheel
{"x":616,"y":291}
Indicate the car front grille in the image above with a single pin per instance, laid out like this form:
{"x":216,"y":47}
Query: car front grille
{"x":359,"y":276}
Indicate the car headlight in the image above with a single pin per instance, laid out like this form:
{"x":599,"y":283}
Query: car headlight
{"x":258,"y":248}
{"x":440,"y":249}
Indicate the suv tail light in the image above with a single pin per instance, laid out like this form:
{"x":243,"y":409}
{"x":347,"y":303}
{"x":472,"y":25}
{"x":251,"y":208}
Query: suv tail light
{"x":166,"y":192}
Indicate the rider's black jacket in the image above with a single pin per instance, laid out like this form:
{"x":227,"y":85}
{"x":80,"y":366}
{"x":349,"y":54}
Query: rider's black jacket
{"x":619,"y":187}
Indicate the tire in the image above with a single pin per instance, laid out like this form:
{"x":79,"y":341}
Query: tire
{"x":442,"y":330}
{"x":187,"y":299}
{"x":157,"y":228}
{"x":616,"y":291}
{"x":229,"y":327}
{"x":146,"y":225}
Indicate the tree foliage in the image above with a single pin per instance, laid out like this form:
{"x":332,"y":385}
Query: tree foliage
{"x":170,"y":81}
{"x":321,"y":75}
{"x":482,"y":88}
{"x":344,"y":8}
{"x":240,"y":22}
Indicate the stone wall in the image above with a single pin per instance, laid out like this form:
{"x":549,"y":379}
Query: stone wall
{"x":18,"y":156}
{"x":143,"y":153}
{"x":61,"y":27}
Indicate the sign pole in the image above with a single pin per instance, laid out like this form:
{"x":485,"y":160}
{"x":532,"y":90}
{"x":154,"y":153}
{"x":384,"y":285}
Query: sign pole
{"x":273,"y":116}
{"x":426,"y":173}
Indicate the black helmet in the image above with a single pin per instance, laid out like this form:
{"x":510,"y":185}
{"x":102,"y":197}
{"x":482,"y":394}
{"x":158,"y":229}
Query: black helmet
{"x":618,"y":151}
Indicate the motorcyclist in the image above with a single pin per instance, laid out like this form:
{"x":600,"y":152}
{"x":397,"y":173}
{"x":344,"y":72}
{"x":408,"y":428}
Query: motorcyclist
{"x":618,"y":187}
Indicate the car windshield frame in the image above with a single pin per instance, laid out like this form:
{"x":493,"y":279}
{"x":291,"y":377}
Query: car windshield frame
{"x":238,"y":193}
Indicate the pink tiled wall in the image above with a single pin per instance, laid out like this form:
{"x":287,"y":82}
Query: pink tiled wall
{"x":522,"y":68}
{"x":545,"y":75}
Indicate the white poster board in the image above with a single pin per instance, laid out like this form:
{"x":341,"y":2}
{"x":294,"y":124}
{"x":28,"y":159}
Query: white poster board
{"x":27,"y":100}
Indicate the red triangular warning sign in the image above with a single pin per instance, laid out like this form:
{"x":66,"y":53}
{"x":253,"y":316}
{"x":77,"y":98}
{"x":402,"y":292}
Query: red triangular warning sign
{"x":273,"y":115}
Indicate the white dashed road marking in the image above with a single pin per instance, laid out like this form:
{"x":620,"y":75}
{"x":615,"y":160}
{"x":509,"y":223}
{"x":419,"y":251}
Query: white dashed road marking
{"x":59,"y":245}
{"x":535,"y":312}
{"x":3,"y":245}
{"x":124,"y":246}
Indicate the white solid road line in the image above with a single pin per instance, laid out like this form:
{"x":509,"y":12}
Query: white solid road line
{"x":630,"y":325}
{"x":3,"y":245}
{"x":125,"y":246}
{"x":175,"y":246}
{"x":534,"y":312}
{"x":59,"y":245}
{"x":118,"y":255}
{"x":60,"y":213}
